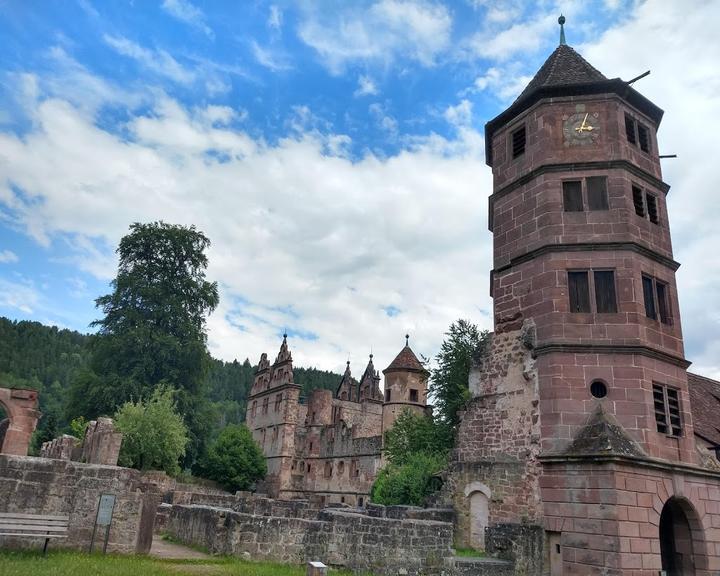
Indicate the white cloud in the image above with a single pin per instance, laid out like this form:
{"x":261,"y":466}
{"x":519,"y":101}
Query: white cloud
{"x":188,"y":13}
{"x":387,"y":30}
{"x":303,"y":237}
{"x":20,"y":296}
{"x":8,"y":257}
{"x":158,"y":61}
{"x":273,"y":59}
{"x":459,"y":115}
{"x":366,"y":86}
{"x":275,"y":17}
{"x":383,"y":119}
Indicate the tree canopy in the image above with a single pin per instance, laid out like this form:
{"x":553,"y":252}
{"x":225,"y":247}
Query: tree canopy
{"x":234,"y":460}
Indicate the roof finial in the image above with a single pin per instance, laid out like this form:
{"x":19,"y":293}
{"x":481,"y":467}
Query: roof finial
{"x":561,"y":21}
{"x":407,"y":339}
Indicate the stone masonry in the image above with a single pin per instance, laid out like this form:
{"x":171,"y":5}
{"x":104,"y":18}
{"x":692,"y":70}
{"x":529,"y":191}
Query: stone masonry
{"x":21,"y":407}
{"x":101,"y":445}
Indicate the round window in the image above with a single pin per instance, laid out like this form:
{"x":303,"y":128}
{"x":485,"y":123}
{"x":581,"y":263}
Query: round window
{"x":598,"y":389}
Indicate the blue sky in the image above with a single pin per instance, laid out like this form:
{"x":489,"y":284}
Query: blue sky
{"x":332,"y":152}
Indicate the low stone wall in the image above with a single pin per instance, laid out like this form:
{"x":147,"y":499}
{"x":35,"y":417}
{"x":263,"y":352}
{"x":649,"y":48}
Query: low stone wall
{"x":337,"y":536}
{"x":100,"y":446}
{"x":44,"y":486}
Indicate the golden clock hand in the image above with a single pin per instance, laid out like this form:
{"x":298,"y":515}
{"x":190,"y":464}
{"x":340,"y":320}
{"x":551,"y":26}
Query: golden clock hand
{"x":582,"y":126}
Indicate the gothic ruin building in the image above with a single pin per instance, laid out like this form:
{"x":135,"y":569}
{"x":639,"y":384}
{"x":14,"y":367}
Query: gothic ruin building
{"x":586,"y":437}
{"x":328,"y":446}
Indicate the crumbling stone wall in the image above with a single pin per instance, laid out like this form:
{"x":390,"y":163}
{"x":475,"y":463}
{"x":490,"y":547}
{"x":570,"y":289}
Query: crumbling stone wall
{"x":338,"y":536}
{"x":21,"y":407}
{"x":43,"y":486}
{"x":498,"y":440}
{"x":101,"y":445}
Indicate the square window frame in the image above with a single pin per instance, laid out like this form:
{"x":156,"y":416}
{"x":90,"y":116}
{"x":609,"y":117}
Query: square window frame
{"x":591,"y":288}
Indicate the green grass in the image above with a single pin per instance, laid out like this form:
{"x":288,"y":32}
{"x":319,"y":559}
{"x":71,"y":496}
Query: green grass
{"x":469,"y":552}
{"x":62,"y":563}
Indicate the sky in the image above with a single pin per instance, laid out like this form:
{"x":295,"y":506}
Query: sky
{"x":333,"y":152}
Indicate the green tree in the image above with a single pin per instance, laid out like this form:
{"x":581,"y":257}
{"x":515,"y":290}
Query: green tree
{"x":409,"y":483}
{"x":153,"y":329}
{"x":235,"y":460}
{"x":154,"y":434}
{"x":449,"y":379}
{"x":413,"y":433}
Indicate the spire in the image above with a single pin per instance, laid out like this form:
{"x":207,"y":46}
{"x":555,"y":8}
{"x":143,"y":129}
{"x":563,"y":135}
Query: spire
{"x":407,"y":339}
{"x":561,"y":21}
{"x":284,"y":354}
{"x":406,"y":360}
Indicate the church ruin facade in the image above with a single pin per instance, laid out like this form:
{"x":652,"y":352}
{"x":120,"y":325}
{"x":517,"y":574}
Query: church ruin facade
{"x":328,"y":447}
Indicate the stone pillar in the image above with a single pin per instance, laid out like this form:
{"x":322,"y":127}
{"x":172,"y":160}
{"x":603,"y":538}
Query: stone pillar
{"x":21,"y":407}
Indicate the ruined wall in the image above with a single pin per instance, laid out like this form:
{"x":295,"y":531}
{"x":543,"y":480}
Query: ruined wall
{"x":57,"y":487}
{"x":101,"y":445}
{"x":337,"y":537}
{"x":63,"y":447}
{"x":498,"y":439}
{"x":21,"y":407}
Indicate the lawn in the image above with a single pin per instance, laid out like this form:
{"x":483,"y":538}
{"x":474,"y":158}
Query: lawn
{"x":59,"y":563}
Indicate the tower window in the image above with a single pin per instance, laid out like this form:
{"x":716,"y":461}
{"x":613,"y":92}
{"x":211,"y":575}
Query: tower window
{"x":413,"y":395}
{"x":646,"y":204}
{"x":595,"y":190}
{"x":603,"y":286}
{"x":518,"y":142}
{"x":597,"y":195}
{"x":572,"y":196}
{"x":656,"y":297}
{"x":666,"y":402}
{"x":387,"y":395}
{"x":278,"y":401}
{"x":605,"y":298}
{"x":637,"y":134}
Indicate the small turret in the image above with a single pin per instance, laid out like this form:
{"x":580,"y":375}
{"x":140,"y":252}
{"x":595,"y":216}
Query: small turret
{"x":405,"y":386}
{"x":370,"y":383}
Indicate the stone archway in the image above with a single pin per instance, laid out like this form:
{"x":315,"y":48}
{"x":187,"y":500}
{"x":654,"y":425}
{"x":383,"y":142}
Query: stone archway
{"x":682,"y":542}
{"x":479,"y":504}
{"x":21,"y":407}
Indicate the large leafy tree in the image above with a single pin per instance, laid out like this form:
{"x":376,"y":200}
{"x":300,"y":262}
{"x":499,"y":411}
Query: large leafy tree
{"x":234,"y":460}
{"x":413,"y":433}
{"x":449,"y":379}
{"x":153,"y":329}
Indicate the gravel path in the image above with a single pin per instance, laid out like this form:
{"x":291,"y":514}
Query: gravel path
{"x":164,"y":549}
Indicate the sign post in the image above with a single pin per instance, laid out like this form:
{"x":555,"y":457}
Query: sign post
{"x":103,"y":519}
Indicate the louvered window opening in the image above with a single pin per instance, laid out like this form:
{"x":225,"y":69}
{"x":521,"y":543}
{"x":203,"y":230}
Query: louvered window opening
{"x":656,"y":295}
{"x":645,"y":204}
{"x":637,"y":134}
{"x":518,"y":142}
{"x":666,"y":403}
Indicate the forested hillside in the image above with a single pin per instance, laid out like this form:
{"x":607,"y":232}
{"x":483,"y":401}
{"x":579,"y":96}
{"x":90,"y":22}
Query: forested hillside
{"x":47,"y":358}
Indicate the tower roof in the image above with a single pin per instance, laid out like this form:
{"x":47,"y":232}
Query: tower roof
{"x":406,"y":360}
{"x":563,"y":67}
{"x":566,"y":73}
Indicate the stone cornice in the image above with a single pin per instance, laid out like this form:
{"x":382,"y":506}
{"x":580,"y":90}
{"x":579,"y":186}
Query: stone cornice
{"x":573,"y":167}
{"x":646,"y":351}
{"x":274,"y":390}
{"x":634,"y":461}
{"x":592,"y":247}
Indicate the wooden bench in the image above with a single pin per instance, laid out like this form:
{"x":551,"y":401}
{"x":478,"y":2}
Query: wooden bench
{"x":34,"y":526}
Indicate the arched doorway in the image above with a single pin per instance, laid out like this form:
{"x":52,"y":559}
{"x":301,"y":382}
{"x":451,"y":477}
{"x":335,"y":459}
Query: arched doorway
{"x":479,"y":496}
{"x":681,"y":539}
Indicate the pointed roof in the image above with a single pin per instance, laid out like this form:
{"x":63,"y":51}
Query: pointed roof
{"x":563,"y":67}
{"x":603,"y":435}
{"x":406,"y":361}
{"x":284,"y":354}
{"x":369,"y":370}
{"x":705,"y":407}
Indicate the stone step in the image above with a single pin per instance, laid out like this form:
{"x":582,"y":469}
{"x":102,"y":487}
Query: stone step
{"x":481,"y":566}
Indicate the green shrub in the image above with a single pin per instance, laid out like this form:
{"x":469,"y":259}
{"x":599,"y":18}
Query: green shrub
{"x":154,"y":434}
{"x":234,"y":460}
{"x":409,"y":483}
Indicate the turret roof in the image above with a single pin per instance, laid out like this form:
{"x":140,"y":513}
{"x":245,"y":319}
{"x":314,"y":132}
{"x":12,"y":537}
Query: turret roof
{"x":406,"y":360}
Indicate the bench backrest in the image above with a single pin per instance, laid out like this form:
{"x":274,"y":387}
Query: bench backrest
{"x":42,"y":525}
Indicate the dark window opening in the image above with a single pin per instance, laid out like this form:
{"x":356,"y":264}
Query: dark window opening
{"x":650,"y":311}
{"x":661,"y":289}
{"x":652,"y":210}
{"x":605,"y":297}
{"x":308,"y":468}
{"x":598,"y":389}
{"x":630,"y":129}
{"x":311,"y":445}
{"x":643,"y":138}
{"x":387,"y":395}
{"x":518,"y":142}
{"x":597,"y":195}
{"x":361,"y":502}
{"x":579,"y":289}
{"x":638,"y":201}
{"x":572,"y":196}
{"x":342,"y":499}
{"x":666,"y":403}
{"x":413,"y":395}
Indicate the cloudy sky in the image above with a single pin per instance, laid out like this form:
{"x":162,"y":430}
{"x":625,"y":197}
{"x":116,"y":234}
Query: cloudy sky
{"x":332,"y":151}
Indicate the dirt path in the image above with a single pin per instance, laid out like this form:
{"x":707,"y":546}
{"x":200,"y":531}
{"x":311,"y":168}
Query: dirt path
{"x":168,"y":550}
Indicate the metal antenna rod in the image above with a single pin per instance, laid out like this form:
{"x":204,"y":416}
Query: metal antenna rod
{"x":639,"y":77}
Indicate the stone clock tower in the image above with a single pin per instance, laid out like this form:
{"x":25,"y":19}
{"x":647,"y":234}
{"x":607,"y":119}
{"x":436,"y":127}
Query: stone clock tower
{"x":580,"y":422}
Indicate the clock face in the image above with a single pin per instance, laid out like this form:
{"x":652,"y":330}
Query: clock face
{"x":581,"y":128}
